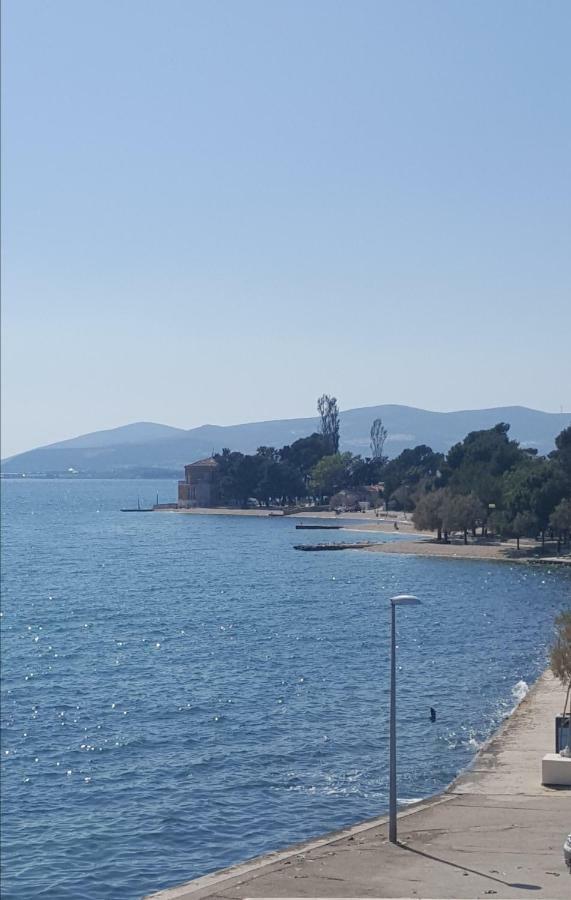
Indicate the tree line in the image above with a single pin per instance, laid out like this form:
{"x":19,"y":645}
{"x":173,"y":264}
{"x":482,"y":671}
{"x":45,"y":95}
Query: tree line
{"x":490,"y":481}
{"x":312,"y":468}
{"x":486,"y":481}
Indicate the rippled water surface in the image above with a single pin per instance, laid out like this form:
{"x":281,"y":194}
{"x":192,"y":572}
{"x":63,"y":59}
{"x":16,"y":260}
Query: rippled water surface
{"x":183,"y":692}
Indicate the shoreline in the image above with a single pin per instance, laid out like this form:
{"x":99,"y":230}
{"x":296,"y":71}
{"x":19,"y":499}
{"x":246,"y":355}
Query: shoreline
{"x":366,"y":520}
{"x":497,"y":799}
{"x":501,"y":552}
{"x":422,"y":543}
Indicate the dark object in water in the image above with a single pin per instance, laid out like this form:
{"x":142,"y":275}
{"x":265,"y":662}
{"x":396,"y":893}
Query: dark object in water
{"x":319,"y":527}
{"x":432,"y":714}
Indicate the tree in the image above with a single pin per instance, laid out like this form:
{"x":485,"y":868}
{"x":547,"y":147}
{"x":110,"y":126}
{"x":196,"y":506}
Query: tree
{"x":247,"y":476}
{"x":227,"y":467}
{"x":462,"y":512}
{"x":402,"y":499}
{"x":535,"y":486}
{"x":427,"y":513}
{"x":560,"y":521}
{"x":238,"y":475}
{"x":413,"y":470}
{"x":292,"y":483}
{"x":562,"y":455}
{"x":279,"y":483}
{"x":524,"y":524}
{"x":331,"y":474}
{"x":305,"y":453}
{"x":560,"y":653}
{"x":329,"y":414}
{"x":365,"y":471}
{"x":270,"y":454}
{"x":478,"y":463}
{"x":378,"y":437}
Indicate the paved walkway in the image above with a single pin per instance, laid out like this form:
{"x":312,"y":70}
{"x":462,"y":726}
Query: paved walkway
{"x":496,"y":833}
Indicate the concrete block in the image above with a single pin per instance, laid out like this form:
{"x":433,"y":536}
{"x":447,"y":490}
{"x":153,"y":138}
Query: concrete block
{"x":555,"y":769}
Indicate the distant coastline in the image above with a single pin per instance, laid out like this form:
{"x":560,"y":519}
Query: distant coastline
{"x":132,"y":449}
{"x":421,"y":543}
{"x":150,"y":475}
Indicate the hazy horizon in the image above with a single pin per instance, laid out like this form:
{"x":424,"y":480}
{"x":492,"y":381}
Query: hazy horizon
{"x":217,"y":212}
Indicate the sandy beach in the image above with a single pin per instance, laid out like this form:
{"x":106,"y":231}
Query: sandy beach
{"x":499,"y":552}
{"x":422,"y":543}
{"x":221,"y":511}
{"x":360,"y":521}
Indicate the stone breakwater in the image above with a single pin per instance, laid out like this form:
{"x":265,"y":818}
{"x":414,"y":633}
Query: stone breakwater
{"x":496,"y":831}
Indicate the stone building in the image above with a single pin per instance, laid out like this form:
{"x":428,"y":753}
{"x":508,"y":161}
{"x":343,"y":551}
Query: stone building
{"x":200,"y":485}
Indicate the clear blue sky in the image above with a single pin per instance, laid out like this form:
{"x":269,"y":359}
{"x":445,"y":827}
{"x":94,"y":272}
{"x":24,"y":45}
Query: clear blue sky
{"x":215,"y":211}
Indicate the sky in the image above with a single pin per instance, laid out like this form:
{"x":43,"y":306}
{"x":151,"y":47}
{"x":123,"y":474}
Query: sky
{"x":217,"y":211}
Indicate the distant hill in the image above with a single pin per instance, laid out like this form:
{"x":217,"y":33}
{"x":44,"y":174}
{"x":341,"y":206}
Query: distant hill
{"x":135,"y":433}
{"x":142,"y":447}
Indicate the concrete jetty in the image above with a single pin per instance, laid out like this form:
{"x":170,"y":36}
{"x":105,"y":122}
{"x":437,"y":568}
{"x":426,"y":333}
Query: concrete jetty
{"x":338,"y":545}
{"x":495,"y":832}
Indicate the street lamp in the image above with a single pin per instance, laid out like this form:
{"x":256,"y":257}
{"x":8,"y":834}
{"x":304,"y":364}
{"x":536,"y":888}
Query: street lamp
{"x":400,"y":600}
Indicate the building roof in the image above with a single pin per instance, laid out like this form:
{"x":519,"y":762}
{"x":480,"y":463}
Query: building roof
{"x":209,"y":461}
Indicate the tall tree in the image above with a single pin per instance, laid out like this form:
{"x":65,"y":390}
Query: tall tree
{"x":378,"y":438}
{"x":329,"y":415}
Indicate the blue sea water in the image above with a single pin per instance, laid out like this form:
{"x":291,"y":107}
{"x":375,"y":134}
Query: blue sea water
{"x":180,"y":692}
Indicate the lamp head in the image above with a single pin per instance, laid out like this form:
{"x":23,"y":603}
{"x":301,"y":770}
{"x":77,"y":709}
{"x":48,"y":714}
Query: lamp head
{"x":405,"y":600}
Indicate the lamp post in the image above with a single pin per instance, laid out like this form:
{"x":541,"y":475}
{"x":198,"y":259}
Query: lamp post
{"x":400,"y":600}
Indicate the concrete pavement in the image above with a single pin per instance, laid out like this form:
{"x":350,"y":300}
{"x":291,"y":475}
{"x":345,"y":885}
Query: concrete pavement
{"x":496,"y":832}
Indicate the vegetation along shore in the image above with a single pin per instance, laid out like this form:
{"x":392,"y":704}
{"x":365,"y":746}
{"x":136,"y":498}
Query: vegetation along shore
{"x":487,"y":488}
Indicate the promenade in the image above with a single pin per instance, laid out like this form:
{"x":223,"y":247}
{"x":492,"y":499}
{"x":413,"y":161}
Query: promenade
{"x":496,"y":832}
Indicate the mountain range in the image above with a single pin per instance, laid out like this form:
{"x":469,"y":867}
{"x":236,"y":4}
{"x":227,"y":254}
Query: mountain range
{"x":151,"y":449}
